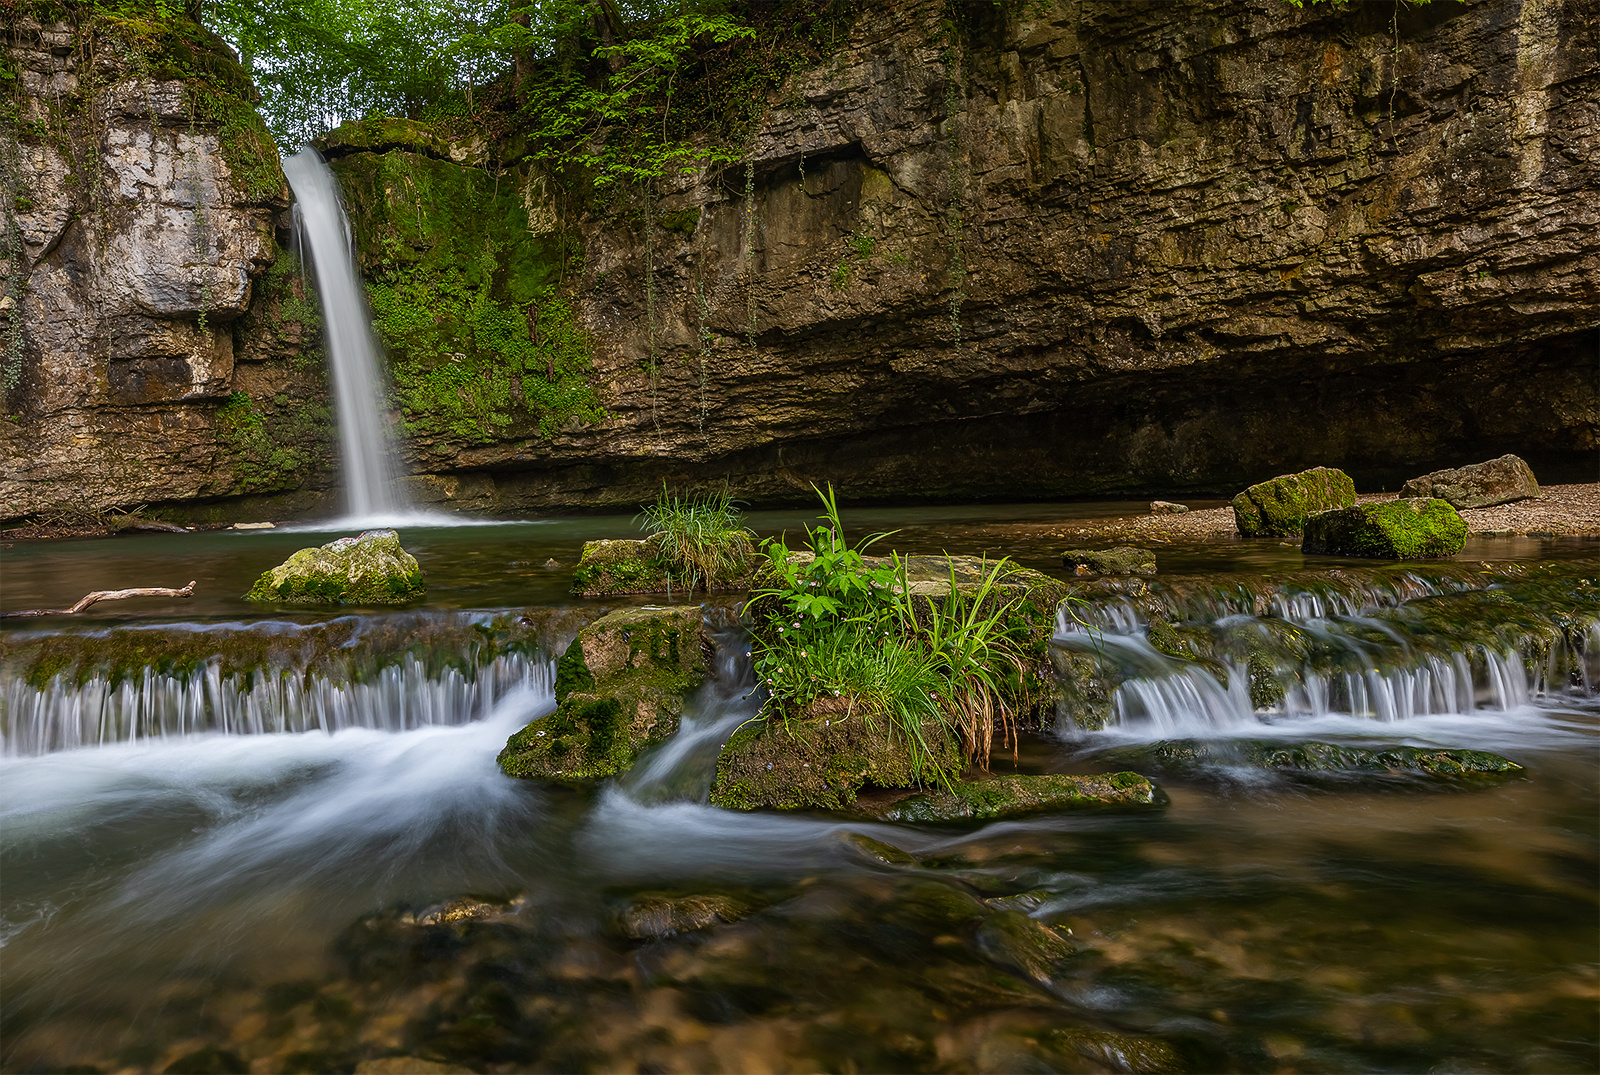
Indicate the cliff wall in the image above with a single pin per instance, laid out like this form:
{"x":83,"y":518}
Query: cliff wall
{"x":1078,"y":248}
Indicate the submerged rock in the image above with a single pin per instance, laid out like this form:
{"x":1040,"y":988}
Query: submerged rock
{"x":370,"y":569}
{"x":1014,"y":796}
{"x":1414,"y":529}
{"x":653,"y":916}
{"x":876,"y":851}
{"x":1194,"y":756}
{"x":408,"y":1065}
{"x":1118,"y":560}
{"x":1480,"y":485}
{"x":1118,"y":1052}
{"x":619,"y":687}
{"x":1281,"y":506}
{"x":1024,"y":945}
{"x":819,"y":761}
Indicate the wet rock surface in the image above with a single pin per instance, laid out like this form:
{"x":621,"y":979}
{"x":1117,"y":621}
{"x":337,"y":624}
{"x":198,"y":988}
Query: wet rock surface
{"x":1118,"y":560}
{"x":653,"y":916}
{"x":1481,"y":485}
{"x":620,"y":686}
{"x":1019,"y":796}
{"x":369,"y":569}
{"x":1416,"y":529}
{"x":1313,"y":760}
{"x":610,"y":568}
{"x":1280,"y":507}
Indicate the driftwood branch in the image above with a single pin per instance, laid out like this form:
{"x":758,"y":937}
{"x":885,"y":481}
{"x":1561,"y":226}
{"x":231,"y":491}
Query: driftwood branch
{"x":105,"y":595}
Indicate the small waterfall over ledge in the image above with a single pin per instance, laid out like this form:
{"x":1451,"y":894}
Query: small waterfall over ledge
{"x":366,"y":448}
{"x":1188,"y":659}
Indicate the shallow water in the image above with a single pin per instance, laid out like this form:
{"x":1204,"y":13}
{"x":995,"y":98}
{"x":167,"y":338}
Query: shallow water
{"x":260,"y":894}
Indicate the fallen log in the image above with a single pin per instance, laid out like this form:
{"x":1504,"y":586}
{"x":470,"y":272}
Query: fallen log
{"x":105,"y":595}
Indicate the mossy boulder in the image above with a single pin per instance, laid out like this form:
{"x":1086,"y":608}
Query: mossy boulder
{"x":612,"y":568}
{"x":1017,"y":796}
{"x":653,"y":915}
{"x":1414,"y":529}
{"x":1281,"y":506}
{"x":1481,"y":485}
{"x":1192,"y":757}
{"x":370,"y":569}
{"x":620,"y":686}
{"x":821,"y":760}
{"x":1117,"y":560}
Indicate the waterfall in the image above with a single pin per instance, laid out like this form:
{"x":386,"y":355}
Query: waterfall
{"x":366,"y":449}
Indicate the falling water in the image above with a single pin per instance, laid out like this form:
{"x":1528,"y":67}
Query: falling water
{"x":366,"y":449}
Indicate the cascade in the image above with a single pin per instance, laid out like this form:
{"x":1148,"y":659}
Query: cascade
{"x":1357,"y":650}
{"x":366,"y":448}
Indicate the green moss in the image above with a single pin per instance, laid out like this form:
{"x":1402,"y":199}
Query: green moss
{"x":684,"y":221}
{"x":1015,"y":796}
{"x":1413,"y":529}
{"x":572,"y":675}
{"x":1280,"y":507}
{"x":370,"y":570}
{"x":470,"y":297}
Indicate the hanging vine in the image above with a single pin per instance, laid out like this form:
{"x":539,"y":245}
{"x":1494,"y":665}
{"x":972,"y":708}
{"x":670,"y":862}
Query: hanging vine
{"x":750,"y":252}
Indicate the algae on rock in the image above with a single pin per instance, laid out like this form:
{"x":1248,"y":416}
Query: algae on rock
{"x":1414,"y":529}
{"x":1015,"y":796}
{"x":620,"y":686}
{"x":1117,"y":560}
{"x":370,"y":569}
{"x":1280,"y":507}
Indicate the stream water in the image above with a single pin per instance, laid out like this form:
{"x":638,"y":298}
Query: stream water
{"x":234,"y":840}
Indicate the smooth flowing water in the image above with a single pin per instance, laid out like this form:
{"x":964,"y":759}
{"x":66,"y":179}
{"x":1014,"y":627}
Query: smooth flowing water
{"x":290,"y":848}
{"x":367,"y":453}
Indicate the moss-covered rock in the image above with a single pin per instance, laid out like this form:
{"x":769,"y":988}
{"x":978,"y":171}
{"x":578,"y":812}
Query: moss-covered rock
{"x":370,"y":569}
{"x":1281,"y":506}
{"x":612,"y":568}
{"x":1117,"y":560}
{"x":620,"y":686}
{"x":1024,"y":945}
{"x":820,"y":761}
{"x":1196,"y":756}
{"x":1481,"y":485}
{"x":1414,"y":529}
{"x":1015,"y":796}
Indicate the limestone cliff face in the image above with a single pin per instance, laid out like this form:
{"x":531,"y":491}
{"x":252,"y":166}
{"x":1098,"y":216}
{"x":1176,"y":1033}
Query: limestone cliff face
{"x":1110,"y":246}
{"x":136,"y":307}
{"x":1088,"y":246}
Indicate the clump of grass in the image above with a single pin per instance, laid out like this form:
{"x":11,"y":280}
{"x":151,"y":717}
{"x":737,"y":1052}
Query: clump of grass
{"x":836,"y":633}
{"x":702,"y":536}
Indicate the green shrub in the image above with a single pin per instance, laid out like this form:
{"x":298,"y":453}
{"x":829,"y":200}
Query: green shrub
{"x":836,"y":633}
{"x":703,"y":537}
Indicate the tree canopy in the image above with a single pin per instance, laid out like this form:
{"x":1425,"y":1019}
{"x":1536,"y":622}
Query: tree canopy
{"x":617,"y":86}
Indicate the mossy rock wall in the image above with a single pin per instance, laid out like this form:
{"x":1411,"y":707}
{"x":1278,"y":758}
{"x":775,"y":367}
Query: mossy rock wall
{"x":822,"y":763}
{"x":620,"y":686}
{"x":1280,"y":507}
{"x":1413,"y":529}
{"x":470,"y":272}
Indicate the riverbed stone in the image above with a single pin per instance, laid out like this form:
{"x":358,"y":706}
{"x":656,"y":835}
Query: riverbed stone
{"x":1280,"y":506}
{"x":1167,"y":507}
{"x":369,"y":569}
{"x":1024,"y":945}
{"x":1117,"y":560}
{"x":620,"y":686}
{"x":1412,"y":529}
{"x":1017,"y":796}
{"x":1480,"y":485}
{"x":651,"y":916}
{"x":1191,"y":757}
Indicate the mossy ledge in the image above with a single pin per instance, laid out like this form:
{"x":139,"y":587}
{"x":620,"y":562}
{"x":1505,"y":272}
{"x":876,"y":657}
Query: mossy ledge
{"x":620,"y":686}
{"x":1017,"y":796}
{"x":1280,"y":506}
{"x":1317,"y":761}
{"x":370,"y":569}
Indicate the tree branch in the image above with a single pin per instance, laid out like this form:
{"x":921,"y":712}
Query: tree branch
{"x":105,"y":595}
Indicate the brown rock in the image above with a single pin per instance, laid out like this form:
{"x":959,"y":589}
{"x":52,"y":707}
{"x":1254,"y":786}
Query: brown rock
{"x":1480,"y":485}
